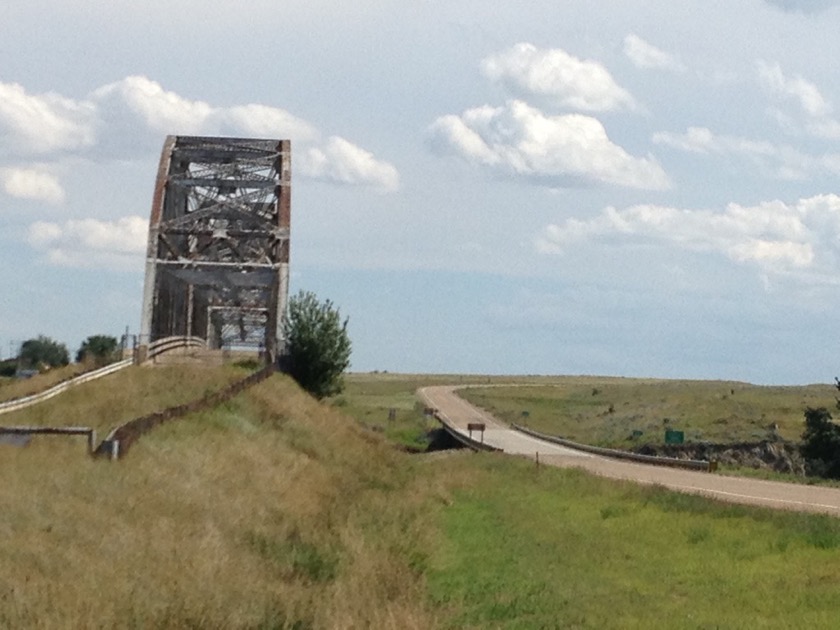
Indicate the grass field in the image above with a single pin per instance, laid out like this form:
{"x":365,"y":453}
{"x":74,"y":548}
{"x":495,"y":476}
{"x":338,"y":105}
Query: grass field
{"x":275,"y":511}
{"x":606,"y":412}
{"x":544,"y":548}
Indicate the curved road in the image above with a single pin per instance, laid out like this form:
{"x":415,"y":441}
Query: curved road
{"x":790,"y":496}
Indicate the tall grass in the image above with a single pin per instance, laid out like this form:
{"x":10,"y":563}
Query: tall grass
{"x":105,"y":403}
{"x":269,"y":511}
{"x":17,"y":388}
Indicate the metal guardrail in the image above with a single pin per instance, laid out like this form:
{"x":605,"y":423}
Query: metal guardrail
{"x":28,"y":401}
{"x":691,"y":464}
{"x":172,"y":343}
{"x":458,"y":435}
{"x":27,"y":431}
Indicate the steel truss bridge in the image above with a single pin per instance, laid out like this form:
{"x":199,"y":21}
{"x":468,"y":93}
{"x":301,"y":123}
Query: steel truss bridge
{"x":217,"y":263}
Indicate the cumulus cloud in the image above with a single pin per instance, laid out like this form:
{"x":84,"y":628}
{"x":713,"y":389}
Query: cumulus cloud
{"x":130,"y":116}
{"x":564,"y":150}
{"x":774,"y":160}
{"x":92,"y":243}
{"x":34,"y":124}
{"x":558,"y":77}
{"x":342,"y":162}
{"x":775,"y":236}
{"x":29,"y":183}
{"x":143,"y":103}
{"x":647,"y":56}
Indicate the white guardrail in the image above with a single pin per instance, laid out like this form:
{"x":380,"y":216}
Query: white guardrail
{"x":27,"y":401}
{"x":169,"y":344}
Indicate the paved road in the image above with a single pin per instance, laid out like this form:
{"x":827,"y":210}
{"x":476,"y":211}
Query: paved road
{"x":734,"y":489}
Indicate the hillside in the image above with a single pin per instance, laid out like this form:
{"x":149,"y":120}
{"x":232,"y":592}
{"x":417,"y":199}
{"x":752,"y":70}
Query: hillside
{"x":275,"y":511}
{"x":270,"y":511}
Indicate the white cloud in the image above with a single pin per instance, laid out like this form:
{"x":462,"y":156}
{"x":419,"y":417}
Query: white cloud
{"x":554,"y":74}
{"x":263,"y":121}
{"x":813,"y":108}
{"x":775,"y":236}
{"x":342,"y":162}
{"x":130,"y":117}
{"x":805,"y":93}
{"x":158,"y":110}
{"x":647,"y":56}
{"x":778,"y":161}
{"x":564,"y":150}
{"x":92,"y":243}
{"x":138,"y":99}
{"x":29,"y":183}
{"x":44,"y":123}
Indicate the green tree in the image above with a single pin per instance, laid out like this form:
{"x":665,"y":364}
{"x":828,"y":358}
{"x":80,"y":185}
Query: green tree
{"x":821,"y":443}
{"x":43,"y":352}
{"x":317,"y":345}
{"x":99,"y":350}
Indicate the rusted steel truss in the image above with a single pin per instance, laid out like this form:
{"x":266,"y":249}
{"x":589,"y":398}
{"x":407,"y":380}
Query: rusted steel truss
{"x":217,"y":263}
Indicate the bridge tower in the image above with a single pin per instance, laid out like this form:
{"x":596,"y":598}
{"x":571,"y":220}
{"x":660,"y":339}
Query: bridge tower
{"x":217,"y":263}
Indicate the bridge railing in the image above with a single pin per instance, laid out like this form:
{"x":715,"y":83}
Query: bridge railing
{"x":7,"y":433}
{"x":27,"y":401}
{"x":691,"y":464}
{"x":459,"y":435}
{"x":168,"y":344}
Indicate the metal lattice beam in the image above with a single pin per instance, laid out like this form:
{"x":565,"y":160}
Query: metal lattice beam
{"x":217,"y":262}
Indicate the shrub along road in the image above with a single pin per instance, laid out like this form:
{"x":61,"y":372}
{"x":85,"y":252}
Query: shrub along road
{"x":744,"y":490}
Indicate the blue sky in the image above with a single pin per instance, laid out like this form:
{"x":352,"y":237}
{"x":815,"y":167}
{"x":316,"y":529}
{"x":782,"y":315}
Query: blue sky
{"x":644,"y":188}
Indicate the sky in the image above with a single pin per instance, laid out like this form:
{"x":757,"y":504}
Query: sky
{"x":637,"y":188}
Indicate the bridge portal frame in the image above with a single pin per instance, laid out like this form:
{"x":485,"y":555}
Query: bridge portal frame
{"x":218,"y":241}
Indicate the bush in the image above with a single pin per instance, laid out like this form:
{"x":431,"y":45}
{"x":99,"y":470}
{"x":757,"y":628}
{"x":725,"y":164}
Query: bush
{"x":8,"y":367}
{"x":99,"y":350}
{"x":821,"y":444}
{"x":317,"y":345}
{"x":43,"y":352}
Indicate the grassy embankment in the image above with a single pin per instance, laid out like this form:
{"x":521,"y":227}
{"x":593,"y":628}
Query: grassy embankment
{"x":273,"y":511}
{"x":17,"y":388}
{"x":134,"y":391}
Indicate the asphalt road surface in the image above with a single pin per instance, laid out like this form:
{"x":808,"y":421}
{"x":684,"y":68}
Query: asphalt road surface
{"x":774,"y":494}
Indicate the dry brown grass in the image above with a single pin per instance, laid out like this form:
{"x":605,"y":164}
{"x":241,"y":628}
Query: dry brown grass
{"x":105,"y":403}
{"x":270,"y":511}
{"x":17,"y":388}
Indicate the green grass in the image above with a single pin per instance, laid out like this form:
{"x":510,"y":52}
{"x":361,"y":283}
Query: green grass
{"x":606,"y":411}
{"x":540,"y":548}
{"x":369,"y":398}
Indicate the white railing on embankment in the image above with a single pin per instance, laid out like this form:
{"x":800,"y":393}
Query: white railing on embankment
{"x":28,"y":401}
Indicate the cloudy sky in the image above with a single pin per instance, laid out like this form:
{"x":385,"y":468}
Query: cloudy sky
{"x":636,"y":188}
